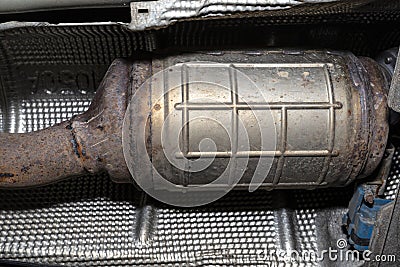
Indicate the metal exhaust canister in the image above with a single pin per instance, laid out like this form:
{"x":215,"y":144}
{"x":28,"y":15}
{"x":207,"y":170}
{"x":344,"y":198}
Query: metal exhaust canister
{"x":275,"y":119}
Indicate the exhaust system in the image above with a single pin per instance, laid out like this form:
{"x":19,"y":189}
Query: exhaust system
{"x":270,"y":119}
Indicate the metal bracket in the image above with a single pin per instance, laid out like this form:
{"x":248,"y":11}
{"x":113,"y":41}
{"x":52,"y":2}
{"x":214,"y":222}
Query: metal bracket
{"x":360,"y":219}
{"x":394,"y":91}
{"x":384,"y":240}
{"x":162,"y":13}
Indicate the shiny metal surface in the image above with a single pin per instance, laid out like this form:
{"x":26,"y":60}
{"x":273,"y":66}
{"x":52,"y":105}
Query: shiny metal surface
{"x":161,"y":13}
{"x":91,"y":221}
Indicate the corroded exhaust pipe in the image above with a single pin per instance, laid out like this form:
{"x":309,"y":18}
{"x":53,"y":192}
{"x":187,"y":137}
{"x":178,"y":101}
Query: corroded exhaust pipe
{"x":328,"y":111}
{"x":87,"y":143}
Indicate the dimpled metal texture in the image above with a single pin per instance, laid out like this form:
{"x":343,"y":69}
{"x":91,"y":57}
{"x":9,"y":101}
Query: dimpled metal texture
{"x":89,"y":220}
{"x":92,"y":221}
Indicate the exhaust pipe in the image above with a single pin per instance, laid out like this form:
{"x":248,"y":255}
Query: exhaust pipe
{"x":271,"y":119}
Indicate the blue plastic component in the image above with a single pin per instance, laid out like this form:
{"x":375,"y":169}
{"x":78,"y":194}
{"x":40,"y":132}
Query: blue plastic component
{"x":360,"y":219}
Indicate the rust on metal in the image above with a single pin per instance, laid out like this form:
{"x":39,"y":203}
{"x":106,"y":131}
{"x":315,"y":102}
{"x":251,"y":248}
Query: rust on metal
{"x":87,"y":143}
{"x":92,"y":142}
{"x":379,"y":115}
